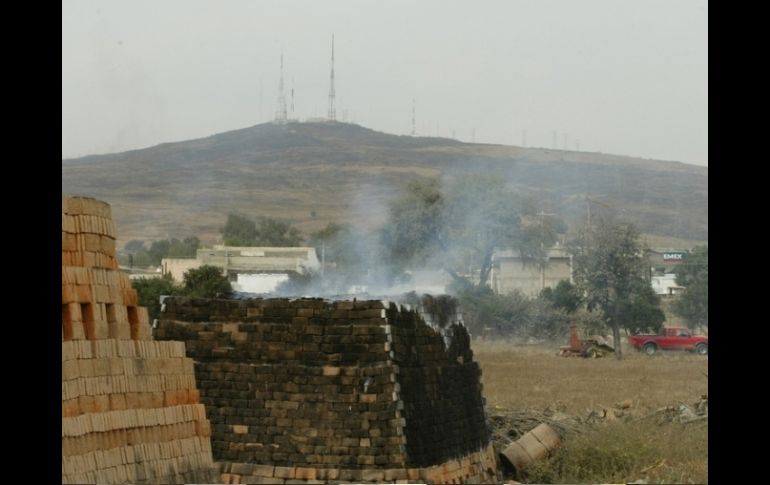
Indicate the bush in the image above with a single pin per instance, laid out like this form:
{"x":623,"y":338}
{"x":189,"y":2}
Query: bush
{"x":150,"y":290}
{"x":206,"y":282}
{"x":509,"y":316}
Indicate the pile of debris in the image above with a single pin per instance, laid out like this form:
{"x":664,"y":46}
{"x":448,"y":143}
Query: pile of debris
{"x":697,"y":413}
{"x":509,"y":425}
{"x":523,"y":436}
{"x":625,"y":410}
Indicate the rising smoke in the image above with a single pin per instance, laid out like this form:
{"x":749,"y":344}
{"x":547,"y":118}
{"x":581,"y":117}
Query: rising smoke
{"x":435,"y":232}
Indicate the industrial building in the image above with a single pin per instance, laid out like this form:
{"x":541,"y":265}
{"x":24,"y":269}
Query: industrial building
{"x":510,"y":271}
{"x":250,"y":269}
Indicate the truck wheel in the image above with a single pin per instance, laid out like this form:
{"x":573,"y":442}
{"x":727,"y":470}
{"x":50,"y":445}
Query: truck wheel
{"x":702,"y":349}
{"x":650,"y":348}
{"x":591,"y":353}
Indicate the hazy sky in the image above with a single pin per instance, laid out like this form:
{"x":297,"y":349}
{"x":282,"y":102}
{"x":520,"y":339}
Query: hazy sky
{"x":618,"y":76}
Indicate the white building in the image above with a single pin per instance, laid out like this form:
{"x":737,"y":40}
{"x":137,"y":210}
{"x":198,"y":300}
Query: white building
{"x":250,"y":269}
{"x":512,"y":272}
{"x":666,"y":284}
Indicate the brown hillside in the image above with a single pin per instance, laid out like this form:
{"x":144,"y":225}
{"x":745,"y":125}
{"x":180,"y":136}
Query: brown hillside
{"x":313,"y":173}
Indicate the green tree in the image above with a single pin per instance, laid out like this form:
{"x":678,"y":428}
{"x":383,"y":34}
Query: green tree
{"x":239,"y":231}
{"x":158,"y":250}
{"x":336,"y":243}
{"x":454,"y":228}
{"x":186,"y":248}
{"x":693,"y":274}
{"x":641,"y":312}
{"x":539,"y":231}
{"x":508,"y":316}
{"x":166,"y":248}
{"x":480,"y":216}
{"x":242,"y":231}
{"x":150,"y":290}
{"x":272,"y":232}
{"x":459,"y":227}
{"x":415,"y":225}
{"x":141,"y":260}
{"x":134,"y":246}
{"x":205,"y":282}
{"x":609,"y":268}
{"x":564,"y":296}
{"x":487,"y":313}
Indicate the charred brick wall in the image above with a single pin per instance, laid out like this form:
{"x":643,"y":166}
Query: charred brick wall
{"x":292,"y":383}
{"x":440,"y":384}
{"x":317,"y":390}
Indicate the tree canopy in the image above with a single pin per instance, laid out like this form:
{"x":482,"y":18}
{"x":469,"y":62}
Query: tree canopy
{"x":415,"y":225}
{"x":205,"y":282}
{"x":609,"y":268}
{"x":564,"y":296}
{"x":149,"y":291}
{"x":693,"y":274}
{"x":241,"y":231}
{"x":457,"y":227}
{"x":481,"y":215}
{"x":342,"y":244}
{"x":141,"y":256}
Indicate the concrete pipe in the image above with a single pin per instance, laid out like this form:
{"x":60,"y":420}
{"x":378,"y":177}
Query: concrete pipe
{"x":534,"y":445}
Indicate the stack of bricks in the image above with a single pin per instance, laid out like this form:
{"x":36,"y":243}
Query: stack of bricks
{"x":131,"y":412}
{"x":315,"y":391}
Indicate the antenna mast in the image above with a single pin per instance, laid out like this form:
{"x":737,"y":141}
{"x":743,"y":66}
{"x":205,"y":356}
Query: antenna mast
{"x":332,"y":115}
{"x":280,"y":114}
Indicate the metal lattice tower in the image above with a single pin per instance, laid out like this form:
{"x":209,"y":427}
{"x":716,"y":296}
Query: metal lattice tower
{"x":280,"y":114}
{"x":332,"y":115}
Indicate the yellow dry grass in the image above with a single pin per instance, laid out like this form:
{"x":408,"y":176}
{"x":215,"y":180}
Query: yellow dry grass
{"x":520,"y":377}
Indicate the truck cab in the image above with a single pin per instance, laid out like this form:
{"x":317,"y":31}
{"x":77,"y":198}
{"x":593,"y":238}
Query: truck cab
{"x":670,"y":338}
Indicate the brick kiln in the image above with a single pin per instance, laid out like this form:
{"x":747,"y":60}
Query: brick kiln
{"x":317,"y":391}
{"x":130,"y":409}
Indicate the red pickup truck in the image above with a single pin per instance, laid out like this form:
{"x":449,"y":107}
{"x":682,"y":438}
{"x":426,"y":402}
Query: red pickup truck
{"x":670,"y":338}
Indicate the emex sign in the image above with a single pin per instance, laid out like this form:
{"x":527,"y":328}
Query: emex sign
{"x":673,"y":256}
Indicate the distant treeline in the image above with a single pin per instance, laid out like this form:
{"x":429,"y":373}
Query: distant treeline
{"x":137,"y":253}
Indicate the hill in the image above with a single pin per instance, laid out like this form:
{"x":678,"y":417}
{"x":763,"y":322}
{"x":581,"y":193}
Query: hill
{"x":313,"y":173}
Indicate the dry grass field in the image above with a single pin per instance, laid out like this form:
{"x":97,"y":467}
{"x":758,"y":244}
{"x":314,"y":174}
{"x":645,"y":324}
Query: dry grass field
{"x":518,"y":377}
{"x":535,"y":377}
